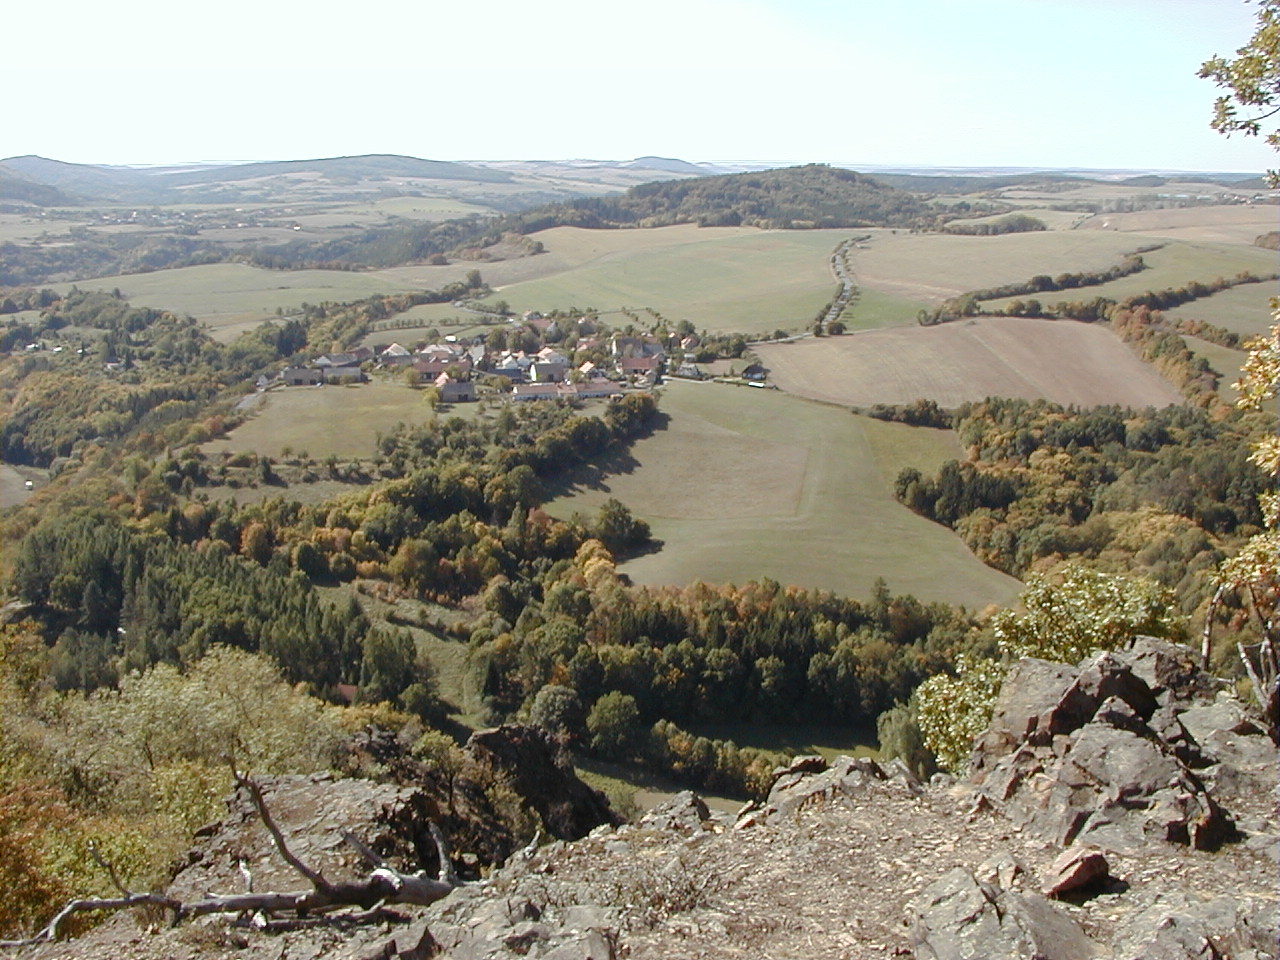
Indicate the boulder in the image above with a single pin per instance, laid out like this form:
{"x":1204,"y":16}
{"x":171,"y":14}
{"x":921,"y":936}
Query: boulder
{"x":959,"y":918}
{"x":1077,"y":869}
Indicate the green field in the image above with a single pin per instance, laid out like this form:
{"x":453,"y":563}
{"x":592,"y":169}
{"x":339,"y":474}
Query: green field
{"x":932,"y":267}
{"x":1174,"y":264}
{"x":744,"y":484}
{"x":340,"y":420}
{"x":729,"y":279}
{"x":234,"y":297}
{"x":1224,"y":360}
{"x":873,"y":309}
{"x":1246,"y":309}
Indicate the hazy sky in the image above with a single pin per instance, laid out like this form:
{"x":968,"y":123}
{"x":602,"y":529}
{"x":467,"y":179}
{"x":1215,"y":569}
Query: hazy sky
{"x":1090,"y":83}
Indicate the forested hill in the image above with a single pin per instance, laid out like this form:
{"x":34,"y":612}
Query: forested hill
{"x":810,"y":196}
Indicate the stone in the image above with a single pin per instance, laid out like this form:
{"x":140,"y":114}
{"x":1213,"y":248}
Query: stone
{"x":1077,"y":869}
{"x":959,"y":918}
{"x":686,"y":812}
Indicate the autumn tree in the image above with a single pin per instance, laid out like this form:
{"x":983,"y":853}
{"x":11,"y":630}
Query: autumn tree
{"x":1252,"y":82}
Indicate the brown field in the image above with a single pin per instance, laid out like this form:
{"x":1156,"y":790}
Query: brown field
{"x":1062,"y":361}
{"x":1235,"y":223}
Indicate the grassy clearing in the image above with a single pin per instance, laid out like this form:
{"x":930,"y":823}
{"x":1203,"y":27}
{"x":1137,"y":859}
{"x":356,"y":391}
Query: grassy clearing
{"x":1064,"y":361}
{"x":234,"y":297}
{"x":340,"y":420}
{"x":1246,"y":309}
{"x":735,"y":279}
{"x":744,"y":484}
{"x":932,"y":267}
{"x":1172,"y":265}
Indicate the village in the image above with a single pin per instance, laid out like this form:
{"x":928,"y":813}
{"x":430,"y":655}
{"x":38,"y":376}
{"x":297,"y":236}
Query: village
{"x":532,"y":360}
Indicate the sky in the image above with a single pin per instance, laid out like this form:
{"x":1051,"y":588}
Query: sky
{"x":1100,"y":84}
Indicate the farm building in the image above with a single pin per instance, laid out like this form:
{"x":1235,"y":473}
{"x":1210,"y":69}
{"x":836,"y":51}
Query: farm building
{"x":301,"y":376}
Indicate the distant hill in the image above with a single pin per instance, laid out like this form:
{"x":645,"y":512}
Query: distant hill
{"x":356,"y":168}
{"x":88,"y":182}
{"x":667,"y":165}
{"x":17,"y":186}
{"x":85,"y":181}
{"x":791,"y":197}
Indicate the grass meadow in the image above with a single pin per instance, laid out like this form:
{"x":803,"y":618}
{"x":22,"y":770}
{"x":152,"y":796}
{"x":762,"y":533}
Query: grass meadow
{"x":1246,"y":309}
{"x":744,"y":484}
{"x":342,"y":421}
{"x":721,"y":279}
{"x":932,"y":267}
{"x":1224,"y":360}
{"x":1174,"y":264}
{"x":234,"y":297}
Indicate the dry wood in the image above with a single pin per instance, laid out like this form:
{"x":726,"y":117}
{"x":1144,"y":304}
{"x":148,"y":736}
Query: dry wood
{"x":383,"y":885}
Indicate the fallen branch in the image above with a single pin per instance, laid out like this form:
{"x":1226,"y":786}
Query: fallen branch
{"x":384,"y":885}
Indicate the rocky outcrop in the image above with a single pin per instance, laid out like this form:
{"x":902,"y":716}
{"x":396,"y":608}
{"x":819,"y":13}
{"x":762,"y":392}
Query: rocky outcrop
{"x":847,"y":858}
{"x":1102,"y":753}
{"x":530,"y":762}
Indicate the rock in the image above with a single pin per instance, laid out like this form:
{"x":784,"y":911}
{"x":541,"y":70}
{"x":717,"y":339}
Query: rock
{"x":1106,"y":762}
{"x":1169,"y":669}
{"x":846,"y":777}
{"x":1178,"y":927}
{"x":684,"y":813}
{"x":1030,"y":691}
{"x":531,"y":763}
{"x":1077,"y":869}
{"x":959,"y":918}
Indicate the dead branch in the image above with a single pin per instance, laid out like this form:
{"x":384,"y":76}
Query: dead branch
{"x":382,"y":886}
{"x":259,"y":804}
{"x":53,"y":929}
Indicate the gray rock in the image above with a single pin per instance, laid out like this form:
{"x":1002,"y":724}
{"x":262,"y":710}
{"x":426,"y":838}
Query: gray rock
{"x":686,"y":812}
{"x":1177,"y":927}
{"x":959,"y":918}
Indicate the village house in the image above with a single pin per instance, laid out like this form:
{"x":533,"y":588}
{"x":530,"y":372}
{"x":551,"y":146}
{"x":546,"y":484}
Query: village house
{"x":301,"y":376}
{"x":455,"y":391}
{"x":395,"y":356}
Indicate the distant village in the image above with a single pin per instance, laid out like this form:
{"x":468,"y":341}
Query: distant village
{"x":568,"y":364}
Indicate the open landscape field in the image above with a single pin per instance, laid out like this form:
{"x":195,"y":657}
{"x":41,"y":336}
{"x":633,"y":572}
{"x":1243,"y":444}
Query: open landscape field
{"x":932,"y":267}
{"x":234,"y":297}
{"x":744,"y":484}
{"x":1224,"y":360}
{"x":1246,"y":309}
{"x":950,"y":363}
{"x":340,"y":420}
{"x":719,"y":278}
{"x":1225,"y":223}
{"x":1173,"y":265}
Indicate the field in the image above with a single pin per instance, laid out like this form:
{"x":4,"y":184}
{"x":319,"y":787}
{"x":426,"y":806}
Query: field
{"x":1246,"y":309}
{"x":340,"y":420}
{"x":932,"y":267}
{"x":1236,"y":223}
{"x":1171,"y":266}
{"x":1222,"y":359}
{"x":744,"y":484}
{"x":873,"y":309}
{"x":234,"y":297}
{"x":724,"y":278}
{"x":1063,"y":361}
